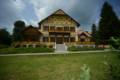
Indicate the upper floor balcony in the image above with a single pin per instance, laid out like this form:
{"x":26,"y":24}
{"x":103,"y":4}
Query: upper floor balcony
{"x":58,"y":29}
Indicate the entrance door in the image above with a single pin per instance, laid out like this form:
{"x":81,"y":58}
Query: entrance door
{"x":59,"y":40}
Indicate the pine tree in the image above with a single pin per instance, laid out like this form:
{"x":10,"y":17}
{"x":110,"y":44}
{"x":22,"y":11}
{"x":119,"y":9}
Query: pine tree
{"x":94,"y":32}
{"x":109,"y":24}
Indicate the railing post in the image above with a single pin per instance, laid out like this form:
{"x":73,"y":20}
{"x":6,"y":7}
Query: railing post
{"x":65,"y":46}
{"x":55,"y":45}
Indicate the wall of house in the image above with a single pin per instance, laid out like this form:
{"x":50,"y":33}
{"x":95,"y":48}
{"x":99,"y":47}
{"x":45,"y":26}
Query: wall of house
{"x":59,"y":21}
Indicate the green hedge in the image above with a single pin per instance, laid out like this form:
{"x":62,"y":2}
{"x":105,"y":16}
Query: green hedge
{"x":25,"y":50}
{"x":3,"y":46}
{"x":85,"y":48}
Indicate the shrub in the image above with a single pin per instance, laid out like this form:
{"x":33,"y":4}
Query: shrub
{"x":25,"y":50}
{"x":73,"y":48}
{"x":44,"y":46}
{"x":8,"y":51}
{"x":113,"y":72}
{"x":115,"y":42}
{"x":85,"y":48}
{"x":3,"y":46}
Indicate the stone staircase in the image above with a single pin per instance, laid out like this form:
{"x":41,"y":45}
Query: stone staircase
{"x":61,"y":48}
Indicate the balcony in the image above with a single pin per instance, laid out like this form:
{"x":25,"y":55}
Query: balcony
{"x":86,"y":43}
{"x":59,"y":29}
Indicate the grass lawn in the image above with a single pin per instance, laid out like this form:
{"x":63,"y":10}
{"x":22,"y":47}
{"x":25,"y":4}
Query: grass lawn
{"x":55,"y":67}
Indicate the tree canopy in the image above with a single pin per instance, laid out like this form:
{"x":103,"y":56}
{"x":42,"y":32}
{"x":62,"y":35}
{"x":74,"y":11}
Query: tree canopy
{"x":109,"y":23}
{"x":5,"y":38}
{"x":19,"y":26}
{"x":94,"y":32}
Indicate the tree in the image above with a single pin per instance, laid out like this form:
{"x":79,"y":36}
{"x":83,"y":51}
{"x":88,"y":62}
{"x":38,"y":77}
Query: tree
{"x":95,"y":35}
{"x":19,"y":26}
{"x":94,"y":32}
{"x":115,"y":42}
{"x":108,"y":25}
{"x":5,"y":38}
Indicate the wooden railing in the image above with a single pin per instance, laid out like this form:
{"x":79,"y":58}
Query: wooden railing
{"x":90,"y":43}
{"x":60,"y":29}
{"x":56,"y":30}
{"x":51,"y":43}
{"x":32,"y":42}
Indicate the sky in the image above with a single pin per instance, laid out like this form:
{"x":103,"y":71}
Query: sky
{"x":86,"y":12}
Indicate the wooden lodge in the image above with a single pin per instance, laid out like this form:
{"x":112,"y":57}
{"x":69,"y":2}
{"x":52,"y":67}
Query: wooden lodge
{"x":58,"y":28}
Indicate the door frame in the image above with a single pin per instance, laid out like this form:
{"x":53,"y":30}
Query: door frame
{"x":59,"y":40}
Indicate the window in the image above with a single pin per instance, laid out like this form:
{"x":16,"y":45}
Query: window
{"x":59,"y":28}
{"x":66,"y":39}
{"x":46,"y":28}
{"x":72,"y":29}
{"x":66,"y":28}
{"x":52,"y":39}
{"x":82,"y":40}
{"x":45,"y":39}
{"x":52,"y":28}
{"x":72,"y":39}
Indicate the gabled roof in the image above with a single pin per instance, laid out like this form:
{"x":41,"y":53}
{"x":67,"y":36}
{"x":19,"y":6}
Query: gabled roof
{"x":84,"y":32}
{"x":31,"y":27}
{"x":59,"y":12}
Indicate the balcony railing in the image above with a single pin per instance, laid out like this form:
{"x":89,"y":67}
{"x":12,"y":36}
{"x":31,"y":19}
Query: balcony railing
{"x":90,"y":43}
{"x":59,"y":29}
{"x":31,"y":43}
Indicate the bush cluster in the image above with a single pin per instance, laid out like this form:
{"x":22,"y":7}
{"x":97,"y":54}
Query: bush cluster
{"x":85,"y":48}
{"x":25,"y":50}
{"x":3,"y":46}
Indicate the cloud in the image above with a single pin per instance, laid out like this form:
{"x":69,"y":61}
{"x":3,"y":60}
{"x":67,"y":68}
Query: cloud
{"x":10,"y":12}
{"x":86,"y":12}
{"x":43,"y":8}
{"x":19,"y":5}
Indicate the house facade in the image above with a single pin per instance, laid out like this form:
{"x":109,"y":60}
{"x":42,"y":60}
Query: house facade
{"x":58,"y":28}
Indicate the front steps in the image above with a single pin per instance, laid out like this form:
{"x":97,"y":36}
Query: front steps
{"x":61,"y":48}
